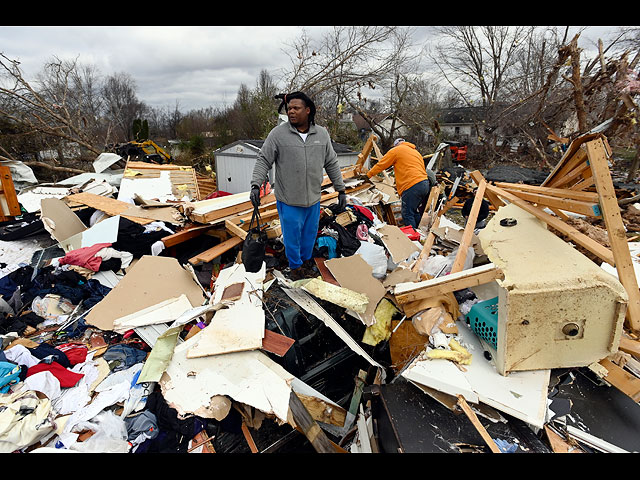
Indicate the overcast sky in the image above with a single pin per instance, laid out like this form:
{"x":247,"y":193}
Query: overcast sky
{"x":196,"y":66}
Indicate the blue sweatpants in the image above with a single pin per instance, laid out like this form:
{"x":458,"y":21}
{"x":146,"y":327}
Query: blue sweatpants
{"x":299,"y":231}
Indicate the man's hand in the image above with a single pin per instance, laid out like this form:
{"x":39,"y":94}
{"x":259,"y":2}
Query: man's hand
{"x":342,"y":200}
{"x":255,"y":196}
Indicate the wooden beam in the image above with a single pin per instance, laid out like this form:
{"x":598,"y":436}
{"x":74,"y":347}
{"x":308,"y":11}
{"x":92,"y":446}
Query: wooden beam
{"x":591,"y":197}
{"x":303,"y":420}
{"x":478,"y":425}
{"x":477,"y":177}
{"x":184,"y":235}
{"x":461,"y":256}
{"x":630,"y":346}
{"x":471,"y":277}
{"x":615,"y":228}
{"x":574,"y":234}
{"x":625,"y":382}
{"x":8,"y":191}
{"x":216,"y":251}
{"x":568,"y":205}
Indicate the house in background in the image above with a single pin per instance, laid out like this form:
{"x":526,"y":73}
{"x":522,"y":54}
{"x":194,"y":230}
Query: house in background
{"x":234,"y":163}
{"x":461,"y":124}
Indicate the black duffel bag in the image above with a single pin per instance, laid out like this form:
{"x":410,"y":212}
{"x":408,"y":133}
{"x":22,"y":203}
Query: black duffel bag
{"x":254,"y":246}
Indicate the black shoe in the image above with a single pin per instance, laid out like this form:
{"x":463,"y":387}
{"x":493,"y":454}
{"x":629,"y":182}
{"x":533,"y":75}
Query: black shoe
{"x":294,"y":274}
{"x":310,"y":266}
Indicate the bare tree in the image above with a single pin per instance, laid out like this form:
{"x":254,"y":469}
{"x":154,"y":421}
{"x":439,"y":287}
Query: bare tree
{"x":122,"y":105}
{"x":51,"y":107}
{"x":347,"y":65}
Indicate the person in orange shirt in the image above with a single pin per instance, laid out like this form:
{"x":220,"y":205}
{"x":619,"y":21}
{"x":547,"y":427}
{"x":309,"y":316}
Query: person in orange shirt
{"x":412,"y":181}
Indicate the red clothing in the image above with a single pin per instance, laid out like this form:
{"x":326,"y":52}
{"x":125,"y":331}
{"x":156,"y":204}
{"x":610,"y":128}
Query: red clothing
{"x":76,"y":353}
{"x":66,"y":377}
{"x":85,"y":257}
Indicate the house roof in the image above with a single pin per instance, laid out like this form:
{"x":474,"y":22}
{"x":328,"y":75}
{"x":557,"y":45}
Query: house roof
{"x":461,"y":115}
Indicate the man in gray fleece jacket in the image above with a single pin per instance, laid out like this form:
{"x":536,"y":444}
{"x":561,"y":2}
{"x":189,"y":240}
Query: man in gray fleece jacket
{"x":300,"y":150}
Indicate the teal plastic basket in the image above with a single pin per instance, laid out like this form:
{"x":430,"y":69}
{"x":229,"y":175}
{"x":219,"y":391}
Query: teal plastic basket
{"x":483,"y":320}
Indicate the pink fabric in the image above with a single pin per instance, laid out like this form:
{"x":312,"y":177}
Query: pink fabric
{"x":85,"y":257}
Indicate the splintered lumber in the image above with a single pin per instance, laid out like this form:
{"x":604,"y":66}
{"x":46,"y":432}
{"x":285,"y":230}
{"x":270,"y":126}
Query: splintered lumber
{"x":364,"y":154}
{"x":478,"y":425}
{"x":458,"y":264}
{"x":110,"y":206}
{"x":625,"y":382}
{"x":596,"y":151}
{"x":471,"y":277}
{"x":305,"y":422}
{"x":584,"y":203}
{"x":10,"y":206}
{"x":495,"y":201}
{"x":185,"y":234}
{"x":216,"y":251}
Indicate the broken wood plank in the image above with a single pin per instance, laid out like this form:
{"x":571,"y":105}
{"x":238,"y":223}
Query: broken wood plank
{"x":249,"y":438}
{"x":8,"y":193}
{"x":478,"y":426}
{"x":458,"y":264}
{"x":591,"y":197}
{"x":108,"y":205}
{"x":275,"y":343}
{"x":590,"y":209}
{"x":472,"y":277}
{"x":322,"y":411}
{"x":303,"y":420}
{"x":630,"y":346}
{"x":216,"y":251}
{"x":596,"y":152}
{"x":625,"y":382}
{"x":187,"y":233}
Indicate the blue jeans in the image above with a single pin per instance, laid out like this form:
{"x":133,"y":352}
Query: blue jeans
{"x":299,"y":231}
{"x":414,"y":201}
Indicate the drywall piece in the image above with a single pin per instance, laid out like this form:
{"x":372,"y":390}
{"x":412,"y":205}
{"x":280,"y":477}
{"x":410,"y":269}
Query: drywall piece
{"x":148,"y":282}
{"x":59,"y":220}
{"x":356,"y":274}
{"x":163,"y":312}
{"x":104,"y":161}
{"x":556,"y":308}
{"x":306,"y":302}
{"x":190,"y":384}
{"x":239,"y":327}
{"x":520,"y":394}
{"x":397,"y":243}
{"x":340,"y":296}
{"x":105,"y":231}
{"x":157,"y":188}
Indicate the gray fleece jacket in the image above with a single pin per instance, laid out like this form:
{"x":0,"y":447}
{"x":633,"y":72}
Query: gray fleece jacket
{"x":298,"y":163}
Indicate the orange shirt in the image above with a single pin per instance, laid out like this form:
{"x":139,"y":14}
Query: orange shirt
{"x":408,"y":166}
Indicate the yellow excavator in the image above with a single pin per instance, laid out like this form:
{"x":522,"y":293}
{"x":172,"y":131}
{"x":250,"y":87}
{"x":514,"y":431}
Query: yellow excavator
{"x":145,"y":151}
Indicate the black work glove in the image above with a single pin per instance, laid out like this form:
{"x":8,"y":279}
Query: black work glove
{"x":342,"y":201}
{"x":255,"y":196}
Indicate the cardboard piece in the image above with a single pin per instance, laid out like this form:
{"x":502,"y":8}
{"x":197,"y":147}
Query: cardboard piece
{"x":355,"y":274}
{"x":71,"y":233}
{"x":397,"y":243}
{"x":149,"y":281}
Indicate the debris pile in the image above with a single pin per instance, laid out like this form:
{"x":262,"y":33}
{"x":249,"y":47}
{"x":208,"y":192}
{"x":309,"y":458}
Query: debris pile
{"x":131,"y":325}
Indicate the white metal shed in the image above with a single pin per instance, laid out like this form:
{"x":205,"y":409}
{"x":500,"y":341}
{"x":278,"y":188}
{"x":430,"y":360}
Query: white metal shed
{"x":234,"y":163}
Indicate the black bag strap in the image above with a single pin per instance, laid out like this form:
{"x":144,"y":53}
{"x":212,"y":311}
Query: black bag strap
{"x":256,"y":216}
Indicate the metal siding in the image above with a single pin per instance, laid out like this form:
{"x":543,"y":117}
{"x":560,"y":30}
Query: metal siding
{"x":234,"y":173}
